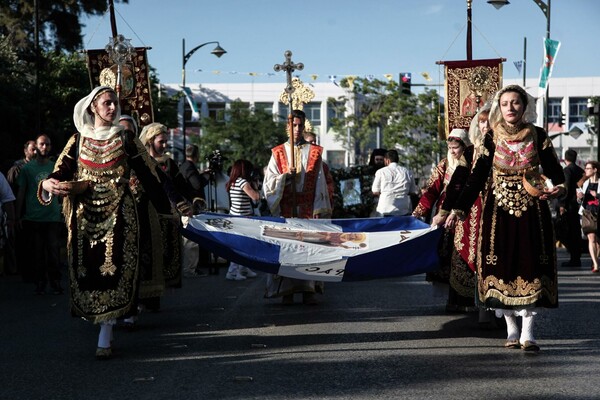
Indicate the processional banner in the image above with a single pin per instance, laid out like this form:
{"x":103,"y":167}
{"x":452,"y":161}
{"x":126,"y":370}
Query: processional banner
{"x":469,"y":85}
{"x":135,"y":95}
{"x":324,"y":250}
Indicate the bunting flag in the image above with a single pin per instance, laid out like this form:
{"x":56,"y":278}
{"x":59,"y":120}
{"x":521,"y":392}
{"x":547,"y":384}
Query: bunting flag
{"x":325,"y":250}
{"x":351,"y":80}
{"x":518,"y":65}
{"x":193,"y":106}
{"x":550,"y":51}
{"x":314,"y":77}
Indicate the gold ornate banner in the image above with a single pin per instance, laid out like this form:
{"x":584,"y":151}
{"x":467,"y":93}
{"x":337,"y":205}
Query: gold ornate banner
{"x":469,"y":84}
{"x":135,"y":83}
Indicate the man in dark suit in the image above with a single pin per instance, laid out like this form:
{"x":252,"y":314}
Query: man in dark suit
{"x":569,"y":208}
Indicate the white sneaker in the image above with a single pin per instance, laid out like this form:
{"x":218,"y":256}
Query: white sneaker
{"x":240,"y":277}
{"x":248,"y":273}
{"x":230,"y":276}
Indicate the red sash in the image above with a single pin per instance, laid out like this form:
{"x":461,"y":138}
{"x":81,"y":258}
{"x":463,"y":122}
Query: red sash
{"x":306,"y":195}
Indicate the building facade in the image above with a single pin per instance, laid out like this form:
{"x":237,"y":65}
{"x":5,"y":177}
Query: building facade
{"x":568,"y":100}
{"x":568,"y":96}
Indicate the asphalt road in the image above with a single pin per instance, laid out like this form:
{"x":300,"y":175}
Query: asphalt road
{"x":218,"y":339}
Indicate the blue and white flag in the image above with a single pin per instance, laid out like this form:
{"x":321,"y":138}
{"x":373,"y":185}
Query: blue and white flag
{"x":325,"y":250}
{"x":550,"y":51}
{"x":518,"y":65}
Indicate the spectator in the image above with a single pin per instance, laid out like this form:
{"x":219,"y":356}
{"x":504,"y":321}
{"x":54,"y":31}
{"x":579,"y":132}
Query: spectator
{"x":7,"y":217}
{"x":193,"y":255}
{"x":15,"y":251}
{"x":41,"y":223}
{"x":589,"y":197}
{"x":393,"y":184}
{"x":569,"y":207}
{"x":243,"y":195}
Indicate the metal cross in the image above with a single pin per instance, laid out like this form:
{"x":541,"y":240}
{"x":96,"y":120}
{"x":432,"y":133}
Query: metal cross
{"x":288,"y":66}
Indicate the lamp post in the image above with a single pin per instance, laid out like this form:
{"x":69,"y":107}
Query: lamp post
{"x":545,"y":7}
{"x":217,"y":51}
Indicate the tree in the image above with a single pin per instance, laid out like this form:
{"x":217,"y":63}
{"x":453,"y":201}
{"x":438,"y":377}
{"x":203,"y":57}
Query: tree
{"x":408,"y":123}
{"x":59,"y":25}
{"x":64,"y":82}
{"x":165,"y":107}
{"x":241,"y":133}
{"x":64,"y":79}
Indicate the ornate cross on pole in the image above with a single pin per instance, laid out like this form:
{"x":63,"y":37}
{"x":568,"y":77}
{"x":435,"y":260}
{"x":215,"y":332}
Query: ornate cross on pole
{"x":289,"y":66}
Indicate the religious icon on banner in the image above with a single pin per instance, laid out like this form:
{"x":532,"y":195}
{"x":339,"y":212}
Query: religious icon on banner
{"x":469,"y":84}
{"x":135,"y":95}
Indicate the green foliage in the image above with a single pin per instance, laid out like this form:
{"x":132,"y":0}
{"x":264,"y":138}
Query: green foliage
{"x":59,"y":25}
{"x":240,"y":133}
{"x":408,"y":123}
{"x":165,"y":108}
{"x":62,"y":78}
{"x":63,"y":83}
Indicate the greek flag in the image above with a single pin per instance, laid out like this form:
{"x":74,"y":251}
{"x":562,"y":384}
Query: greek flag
{"x":325,"y":250}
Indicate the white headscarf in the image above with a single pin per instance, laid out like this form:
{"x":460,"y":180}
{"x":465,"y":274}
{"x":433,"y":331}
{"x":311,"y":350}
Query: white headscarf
{"x":461,"y":135}
{"x":529,"y":116}
{"x":129,"y":118}
{"x":84,"y":118}
{"x":475,"y":134}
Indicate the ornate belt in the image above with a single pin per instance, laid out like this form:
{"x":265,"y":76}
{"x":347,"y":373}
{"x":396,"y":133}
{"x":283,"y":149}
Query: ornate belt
{"x":511,"y":195}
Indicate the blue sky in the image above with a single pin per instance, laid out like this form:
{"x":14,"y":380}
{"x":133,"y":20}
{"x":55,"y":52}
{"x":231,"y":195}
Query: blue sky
{"x":349,"y":37}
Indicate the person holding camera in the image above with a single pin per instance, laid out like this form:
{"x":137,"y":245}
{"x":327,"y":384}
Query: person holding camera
{"x":243,"y":196}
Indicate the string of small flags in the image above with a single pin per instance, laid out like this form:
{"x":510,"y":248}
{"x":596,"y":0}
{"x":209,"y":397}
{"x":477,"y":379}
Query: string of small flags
{"x":314,"y":77}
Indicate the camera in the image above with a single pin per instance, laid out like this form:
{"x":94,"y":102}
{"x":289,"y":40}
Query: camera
{"x":215,"y":160}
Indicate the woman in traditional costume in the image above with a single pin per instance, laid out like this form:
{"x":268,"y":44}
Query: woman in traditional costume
{"x":154,"y":138}
{"x":102,"y":217}
{"x":516,"y":263}
{"x":467,"y":231}
{"x":443,"y":187}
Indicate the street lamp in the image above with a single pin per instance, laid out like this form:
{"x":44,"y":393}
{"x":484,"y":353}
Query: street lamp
{"x":545,"y":7}
{"x":217,"y":51}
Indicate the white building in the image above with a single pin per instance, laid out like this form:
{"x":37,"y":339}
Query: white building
{"x":567,"y":95}
{"x":214,"y":97}
{"x":570,"y":97}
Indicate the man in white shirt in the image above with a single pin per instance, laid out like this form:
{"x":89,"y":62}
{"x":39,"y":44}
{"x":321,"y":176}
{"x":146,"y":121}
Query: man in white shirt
{"x":393,"y":184}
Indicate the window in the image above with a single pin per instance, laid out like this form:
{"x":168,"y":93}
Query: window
{"x":216,"y":111}
{"x":577,"y":109}
{"x":333,"y":111}
{"x":265,"y":107}
{"x":554,"y":110}
{"x":313,"y":113}
{"x":283,"y":112}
